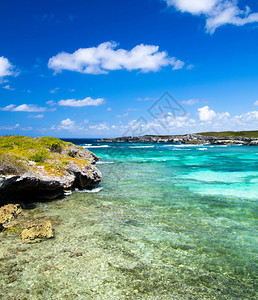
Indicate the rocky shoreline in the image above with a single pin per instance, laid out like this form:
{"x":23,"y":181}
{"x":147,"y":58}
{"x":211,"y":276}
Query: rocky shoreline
{"x":66,"y":168}
{"x":186,"y":139}
{"x":40,"y":169}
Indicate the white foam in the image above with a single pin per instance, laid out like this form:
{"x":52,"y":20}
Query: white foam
{"x":186,"y":145}
{"x":96,"y":190}
{"x":202,"y":149}
{"x":141,"y":147}
{"x":101,"y":146}
{"x":104,"y":162}
{"x":68,"y":193}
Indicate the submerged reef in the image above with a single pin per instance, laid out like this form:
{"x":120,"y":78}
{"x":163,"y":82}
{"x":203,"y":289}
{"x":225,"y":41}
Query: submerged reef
{"x":33,"y":169}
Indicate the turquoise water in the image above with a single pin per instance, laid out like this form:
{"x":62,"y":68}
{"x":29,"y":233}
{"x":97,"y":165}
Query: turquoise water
{"x":170,"y":222}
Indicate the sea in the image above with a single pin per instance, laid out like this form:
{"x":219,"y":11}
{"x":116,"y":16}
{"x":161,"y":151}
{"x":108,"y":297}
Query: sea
{"x":168,"y":221}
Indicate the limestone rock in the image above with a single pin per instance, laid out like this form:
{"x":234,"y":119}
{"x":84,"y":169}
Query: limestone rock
{"x":8,"y":213}
{"x":37,"y":232}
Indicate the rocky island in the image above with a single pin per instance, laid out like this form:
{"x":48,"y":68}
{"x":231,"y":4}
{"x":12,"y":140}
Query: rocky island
{"x":212,"y":138}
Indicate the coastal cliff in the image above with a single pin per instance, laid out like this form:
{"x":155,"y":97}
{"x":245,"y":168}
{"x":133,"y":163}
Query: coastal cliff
{"x":212,"y":138}
{"x":43,"y":168}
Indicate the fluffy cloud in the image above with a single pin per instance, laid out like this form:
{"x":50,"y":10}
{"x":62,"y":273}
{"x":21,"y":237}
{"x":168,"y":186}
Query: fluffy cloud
{"x":70,"y":125}
{"x":105,"y":58}
{"x":100,"y":126}
{"x":67,"y":124}
{"x":6,"y":68}
{"x":193,"y":6}
{"x":256,"y":103}
{"x":251,"y":116}
{"x":206,"y":114}
{"x":80,"y":103}
{"x":24,"y":108}
{"x":217,"y":12}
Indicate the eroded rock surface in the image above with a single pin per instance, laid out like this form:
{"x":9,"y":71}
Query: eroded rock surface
{"x":8,"y":213}
{"x":37,"y":232}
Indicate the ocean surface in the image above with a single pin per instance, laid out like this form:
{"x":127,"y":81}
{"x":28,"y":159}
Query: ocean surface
{"x":167,"y":222}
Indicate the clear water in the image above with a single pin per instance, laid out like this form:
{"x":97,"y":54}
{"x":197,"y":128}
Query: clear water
{"x":171,"y":222}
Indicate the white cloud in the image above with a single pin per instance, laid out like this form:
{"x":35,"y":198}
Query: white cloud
{"x":256,"y":103}
{"x":122,"y":116}
{"x":9,"y":127}
{"x":53,"y":91}
{"x":133,"y":109}
{"x":146,"y":99}
{"x":223,"y":116}
{"x":51,"y":103}
{"x":7,"y":87}
{"x":217,"y":12}
{"x":247,"y":117}
{"x":6,"y":68}
{"x":67,"y":124}
{"x":35,"y":116}
{"x":100,"y":126}
{"x":24,"y":108}
{"x":105,"y":58}
{"x":109,"y":109}
{"x":80,"y":103}
{"x":192,"y":101}
{"x":71,"y":125}
{"x":206,"y":114}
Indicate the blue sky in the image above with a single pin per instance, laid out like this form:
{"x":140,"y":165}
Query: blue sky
{"x":95,"y":68}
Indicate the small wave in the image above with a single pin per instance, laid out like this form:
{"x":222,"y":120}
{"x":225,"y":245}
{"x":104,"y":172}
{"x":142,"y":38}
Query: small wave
{"x":141,"y":147}
{"x":95,"y":190}
{"x":186,"y":145}
{"x":86,"y":145}
{"x":101,"y":146}
{"x":68,"y":193}
{"x":104,"y":162}
{"x":202,"y":149}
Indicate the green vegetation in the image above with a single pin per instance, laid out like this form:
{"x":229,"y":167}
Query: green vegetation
{"x":246,"y":134}
{"x":53,"y":154}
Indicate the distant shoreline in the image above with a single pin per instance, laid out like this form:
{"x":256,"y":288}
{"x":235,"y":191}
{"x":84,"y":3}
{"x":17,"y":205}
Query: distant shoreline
{"x":213,"y":138}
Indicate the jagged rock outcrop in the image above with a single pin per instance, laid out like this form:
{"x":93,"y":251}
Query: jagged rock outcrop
{"x":44,"y":170}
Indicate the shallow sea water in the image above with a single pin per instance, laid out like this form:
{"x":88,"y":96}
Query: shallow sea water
{"x":171,"y":222}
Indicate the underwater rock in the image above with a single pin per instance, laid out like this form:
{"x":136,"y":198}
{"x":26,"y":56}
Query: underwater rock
{"x":8,"y":213}
{"x":37,"y":232}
